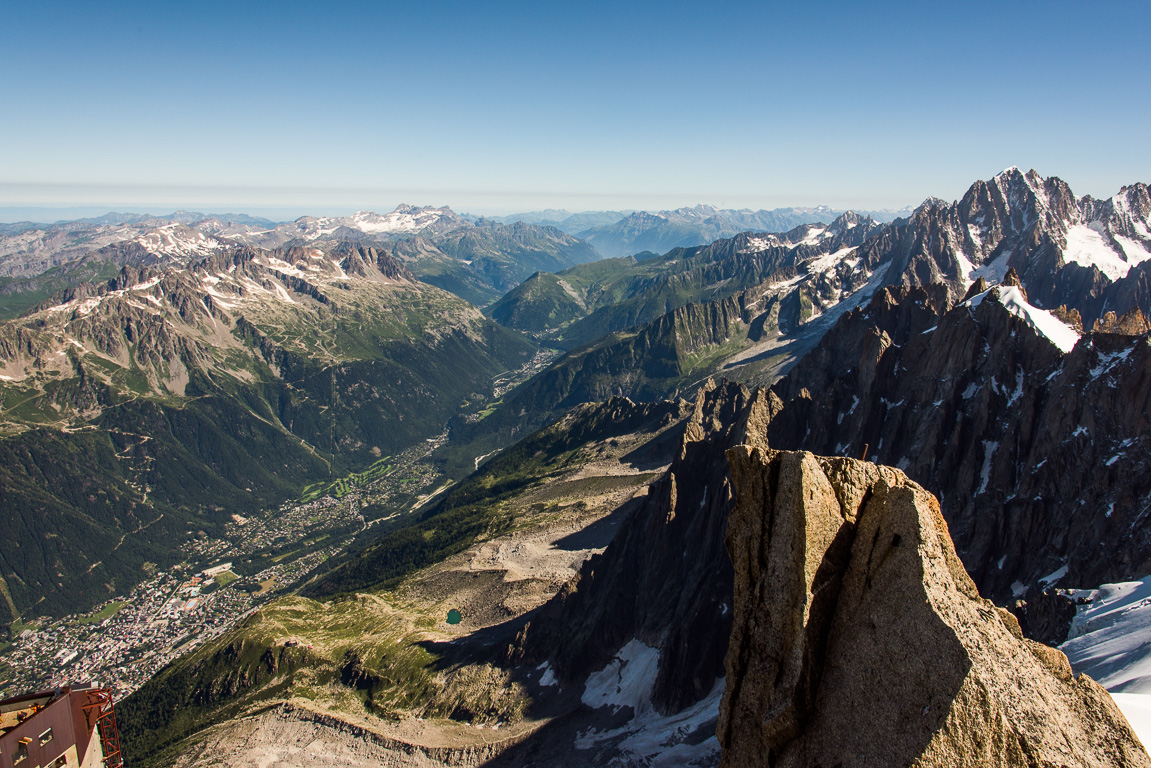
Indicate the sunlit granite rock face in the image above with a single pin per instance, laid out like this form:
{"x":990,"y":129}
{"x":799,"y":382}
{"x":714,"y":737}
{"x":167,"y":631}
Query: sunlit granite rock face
{"x":859,"y":639}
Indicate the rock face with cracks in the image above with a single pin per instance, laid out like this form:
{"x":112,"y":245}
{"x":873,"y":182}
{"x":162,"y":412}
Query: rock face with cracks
{"x":859,"y":639}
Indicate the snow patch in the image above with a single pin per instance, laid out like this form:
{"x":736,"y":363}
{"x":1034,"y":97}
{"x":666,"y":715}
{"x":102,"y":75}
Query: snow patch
{"x":1018,"y":393}
{"x":1134,"y":250}
{"x":1040,"y":320}
{"x":821,"y":264}
{"x":662,"y":742}
{"x":813,"y":236}
{"x":1088,"y":248}
{"x":548,"y":678}
{"x":1110,"y":637}
{"x":146,"y":284}
{"x":1107,"y":361}
{"x":1053,"y":577}
{"x":966,"y":268}
{"x":989,"y":447}
{"x":626,"y":681}
{"x":757,"y":244}
{"x":993,"y":271}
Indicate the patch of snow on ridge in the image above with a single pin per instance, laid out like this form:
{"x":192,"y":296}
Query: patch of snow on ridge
{"x":1040,"y":320}
{"x":1107,"y":361}
{"x":178,"y":241}
{"x":626,"y":681}
{"x":548,"y":678}
{"x":757,"y":244}
{"x":813,"y":236}
{"x":989,"y":447}
{"x":1110,"y":637}
{"x":1088,"y":248}
{"x":966,"y":268}
{"x":1135,"y":251}
{"x":1054,"y":576}
{"x":399,"y":220}
{"x":828,"y":261}
{"x":654,"y":739}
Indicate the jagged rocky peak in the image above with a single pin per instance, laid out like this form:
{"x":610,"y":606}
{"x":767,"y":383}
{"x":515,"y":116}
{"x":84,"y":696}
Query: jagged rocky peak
{"x":849,"y":220}
{"x":1133,"y":323}
{"x":1069,"y":251}
{"x":928,"y":204}
{"x":859,"y":639}
{"x":1012,"y":278}
{"x":366,"y":261}
{"x":1126,"y":213}
{"x":979,"y":286}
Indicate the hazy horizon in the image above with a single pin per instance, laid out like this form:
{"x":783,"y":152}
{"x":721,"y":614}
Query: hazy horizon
{"x":48,"y":214}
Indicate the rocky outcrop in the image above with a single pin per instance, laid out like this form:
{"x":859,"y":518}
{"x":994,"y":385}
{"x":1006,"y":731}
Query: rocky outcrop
{"x":858,"y":638}
{"x":1134,"y":323}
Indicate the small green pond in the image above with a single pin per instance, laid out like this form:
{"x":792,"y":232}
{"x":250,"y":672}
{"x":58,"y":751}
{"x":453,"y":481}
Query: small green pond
{"x":454,"y":616}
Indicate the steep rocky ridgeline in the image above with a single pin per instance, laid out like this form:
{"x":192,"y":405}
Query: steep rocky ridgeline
{"x":1086,"y":254}
{"x":859,"y":639}
{"x":666,"y":579}
{"x":186,"y":394}
{"x":581,"y":304}
{"x":913,"y":379}
{"x":1033,"y":451}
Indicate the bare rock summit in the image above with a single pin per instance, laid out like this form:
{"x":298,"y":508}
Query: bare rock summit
{"x":860,"y":640}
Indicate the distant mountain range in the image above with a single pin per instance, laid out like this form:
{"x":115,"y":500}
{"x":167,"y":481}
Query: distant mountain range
{"x":476,"y":260}
{"x":624,"y":233}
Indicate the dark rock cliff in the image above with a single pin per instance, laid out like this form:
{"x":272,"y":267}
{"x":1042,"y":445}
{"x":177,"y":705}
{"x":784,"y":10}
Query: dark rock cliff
{"x":665,"y":579}
{"x":1035,"y":454}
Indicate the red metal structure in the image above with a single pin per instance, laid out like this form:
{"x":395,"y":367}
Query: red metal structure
{"x":58,"y":728}
{"x":98,"y":710}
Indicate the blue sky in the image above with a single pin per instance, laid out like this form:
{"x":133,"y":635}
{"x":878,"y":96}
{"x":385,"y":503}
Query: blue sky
{"x":502,"y":106}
